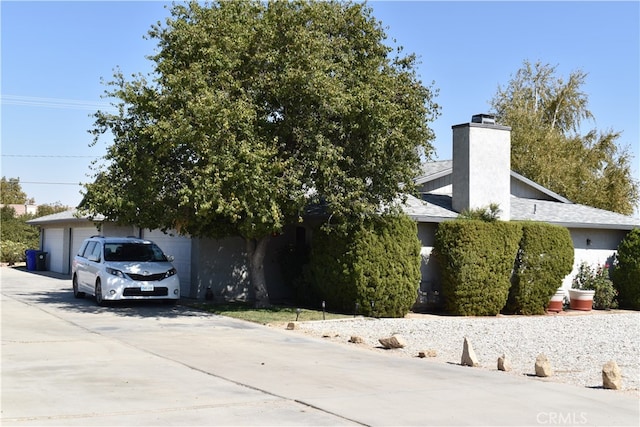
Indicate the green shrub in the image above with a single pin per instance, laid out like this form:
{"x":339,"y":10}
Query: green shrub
{"x":626,"y":271}
{"x":476,"y":261}
{"x":376,"y":266}
{"x":590,"y":279}
{"x":545,"y":257}
{"x":12,"y":252}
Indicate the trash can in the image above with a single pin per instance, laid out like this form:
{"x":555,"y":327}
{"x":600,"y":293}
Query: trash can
{"x":31,"y":259}
{"x":41,"y":261}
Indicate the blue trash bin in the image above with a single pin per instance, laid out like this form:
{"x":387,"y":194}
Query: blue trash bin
{"x":31,"y":259}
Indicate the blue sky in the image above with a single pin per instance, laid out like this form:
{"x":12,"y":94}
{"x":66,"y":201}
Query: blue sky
{"x":55,"y":55}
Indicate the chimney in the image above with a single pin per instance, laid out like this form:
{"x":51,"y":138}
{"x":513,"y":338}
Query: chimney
{"x":482,"y":165}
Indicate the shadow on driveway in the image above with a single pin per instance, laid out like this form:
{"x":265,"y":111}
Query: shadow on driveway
{"x":61,"y":295}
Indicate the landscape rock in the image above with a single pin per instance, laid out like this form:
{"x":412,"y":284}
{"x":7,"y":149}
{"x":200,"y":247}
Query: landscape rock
{"x":394,"y":341}
{"x":469,"y":357}
{"x":427,"y":353}
{"x":504,"y":363}
{"x":356,"y":340}
{"x":611,"y":376}
{"x":291,"y":326}
{"x":543,"y":366}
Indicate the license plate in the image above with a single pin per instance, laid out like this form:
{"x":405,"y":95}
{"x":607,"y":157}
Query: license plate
{"x":146,"y":288}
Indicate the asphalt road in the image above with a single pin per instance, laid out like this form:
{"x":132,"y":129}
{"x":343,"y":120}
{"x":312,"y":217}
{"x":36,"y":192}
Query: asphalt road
{"x":68,"y":362}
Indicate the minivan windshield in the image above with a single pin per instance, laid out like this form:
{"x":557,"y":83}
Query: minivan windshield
{"x":144,"y":252}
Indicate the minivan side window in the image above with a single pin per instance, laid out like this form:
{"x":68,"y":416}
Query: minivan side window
{"x":82,"y":248}
{"x":97,"y":249}
{"x":88,"y":250}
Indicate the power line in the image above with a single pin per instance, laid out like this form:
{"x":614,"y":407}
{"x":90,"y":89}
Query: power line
{"x":34,"y":101}
{"x":50,"y":183}
{"x":49,"y":155}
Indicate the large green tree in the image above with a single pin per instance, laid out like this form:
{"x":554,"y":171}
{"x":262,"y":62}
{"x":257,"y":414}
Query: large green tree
{"x":11,"y":192}
{"x":546,"y":113}
{"x":255,"y":110}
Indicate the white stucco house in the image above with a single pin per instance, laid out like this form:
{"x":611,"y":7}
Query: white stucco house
{"x":478,"y":176}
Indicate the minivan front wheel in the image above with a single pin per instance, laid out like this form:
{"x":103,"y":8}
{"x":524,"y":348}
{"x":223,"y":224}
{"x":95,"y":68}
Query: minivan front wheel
{"x":99,"y":300}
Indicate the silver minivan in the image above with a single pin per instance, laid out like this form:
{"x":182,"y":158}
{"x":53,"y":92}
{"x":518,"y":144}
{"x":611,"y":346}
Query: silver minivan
{"x":123,"y":268}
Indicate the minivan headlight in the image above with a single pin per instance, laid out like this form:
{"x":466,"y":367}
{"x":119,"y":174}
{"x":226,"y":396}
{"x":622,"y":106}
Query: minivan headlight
{"x":115,"y":272}
{"x":170,"y":273}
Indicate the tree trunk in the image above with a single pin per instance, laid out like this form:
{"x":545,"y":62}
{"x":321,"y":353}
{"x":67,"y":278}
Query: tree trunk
{"x":256,"y":250}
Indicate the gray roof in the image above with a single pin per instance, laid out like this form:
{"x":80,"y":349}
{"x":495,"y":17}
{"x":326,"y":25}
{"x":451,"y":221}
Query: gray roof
{"x":437,"y":208}
{"x":434,"y":170}
{"x":67,"y":216}
{"x":570,"y":215}
{"x":559,"y":210}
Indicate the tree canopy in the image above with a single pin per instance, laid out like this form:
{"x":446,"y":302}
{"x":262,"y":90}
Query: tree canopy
{"x":546,"y":113}
{"x":256,"y":110}
{"x":11,"y":192}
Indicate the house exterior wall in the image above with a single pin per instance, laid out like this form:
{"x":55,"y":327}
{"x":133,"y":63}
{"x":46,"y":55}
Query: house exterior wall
{"x":429,"y":291}
{"x":113,"y":230}
{"x":482,"y":167}
{"x":441,"y":185}
{"x":222,"y":265}
{"x":522,"y":190}
{"x":594,"y":246}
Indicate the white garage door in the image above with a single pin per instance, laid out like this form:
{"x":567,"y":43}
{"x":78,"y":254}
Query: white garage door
{"x":53,"y":244}
{"x":78,"y":235}
{"x":180,"y":248}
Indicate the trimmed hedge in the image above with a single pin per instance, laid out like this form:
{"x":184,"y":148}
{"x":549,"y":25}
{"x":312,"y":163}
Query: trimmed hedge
{"x":626,"y":272}
{"x":544,"y":258}
{"x":377,"y":263}
{"x":476,"y":260}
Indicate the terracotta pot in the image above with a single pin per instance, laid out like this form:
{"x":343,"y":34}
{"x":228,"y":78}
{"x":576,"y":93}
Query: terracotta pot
{"x":581,"y":300}
{"x":557,"y":301}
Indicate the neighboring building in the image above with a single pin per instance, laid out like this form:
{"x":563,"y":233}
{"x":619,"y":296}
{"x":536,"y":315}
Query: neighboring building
{"x":22,"y":209}
{"x":478,"y":176}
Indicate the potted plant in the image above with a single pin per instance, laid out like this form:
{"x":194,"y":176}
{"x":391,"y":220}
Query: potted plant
{"x":592,"y":288}
{"x":557,"y":301}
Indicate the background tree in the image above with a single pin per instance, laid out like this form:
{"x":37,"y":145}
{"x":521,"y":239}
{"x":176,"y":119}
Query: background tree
{"x":48,"y":209}
{"x":16,"y":236}
{"x":545,"y":113}
{"x":11,"y":192}
{"x":255,"y":110}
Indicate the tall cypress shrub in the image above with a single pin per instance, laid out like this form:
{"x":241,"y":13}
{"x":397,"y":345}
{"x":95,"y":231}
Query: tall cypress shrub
{"x":476,"y":261}
{"x":545,"y":257}
{"x":376,"y":266}
{"x":626,"y":272}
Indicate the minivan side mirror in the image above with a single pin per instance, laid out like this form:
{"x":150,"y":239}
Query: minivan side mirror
{"x":93,"y":258}
{"x":170,"y":258}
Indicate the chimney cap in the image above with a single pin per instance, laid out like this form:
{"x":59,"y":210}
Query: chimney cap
{"x":487,"y":119}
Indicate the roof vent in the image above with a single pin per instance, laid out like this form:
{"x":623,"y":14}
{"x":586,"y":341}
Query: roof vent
{"x":485,"y":119}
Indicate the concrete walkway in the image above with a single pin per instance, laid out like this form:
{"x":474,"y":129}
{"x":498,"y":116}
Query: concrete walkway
{"x":68,"y":362}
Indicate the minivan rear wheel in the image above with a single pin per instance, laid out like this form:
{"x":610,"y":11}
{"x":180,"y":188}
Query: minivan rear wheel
{"x":76,"y":292}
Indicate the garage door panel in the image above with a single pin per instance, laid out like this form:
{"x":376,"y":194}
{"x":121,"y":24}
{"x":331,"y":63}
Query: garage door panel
{"x":180,"y":248}
{"x":78,"y":235}
{"x":53,"y":242}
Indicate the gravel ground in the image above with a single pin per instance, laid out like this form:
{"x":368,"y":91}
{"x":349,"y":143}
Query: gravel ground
{"x":577,"y":344}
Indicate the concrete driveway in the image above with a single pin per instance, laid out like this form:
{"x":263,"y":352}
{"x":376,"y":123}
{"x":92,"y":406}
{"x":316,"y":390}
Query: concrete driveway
{"x":68,"y":362}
